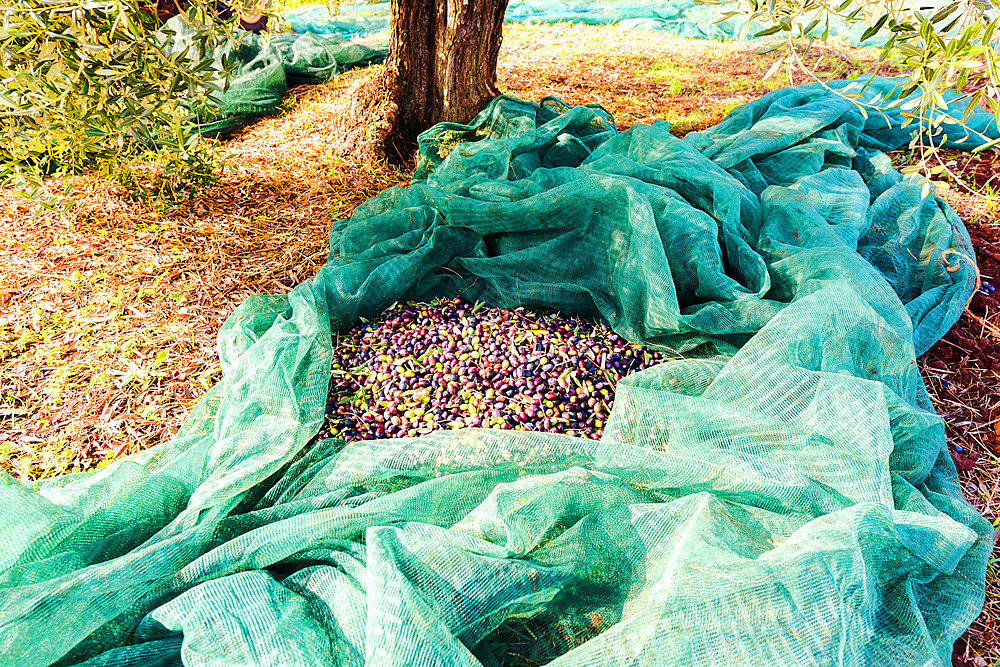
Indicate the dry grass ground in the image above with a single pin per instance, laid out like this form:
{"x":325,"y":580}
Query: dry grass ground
{"x":961,"y":372}
{"x":109,"y":309}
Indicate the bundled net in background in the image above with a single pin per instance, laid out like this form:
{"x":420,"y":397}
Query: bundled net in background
{"x":263,"y":67}
{"x":682,"y":18}
{"x":783,"y":494}
{"x":324,"y":43}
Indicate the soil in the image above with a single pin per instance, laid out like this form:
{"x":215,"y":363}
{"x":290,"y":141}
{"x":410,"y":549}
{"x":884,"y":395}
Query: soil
{"x":961,"y":372}
{"x":93,"y":286}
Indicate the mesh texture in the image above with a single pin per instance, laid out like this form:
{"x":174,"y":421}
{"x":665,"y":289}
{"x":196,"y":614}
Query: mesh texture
{"x":782,"y":495}
{"x":682,"y":18}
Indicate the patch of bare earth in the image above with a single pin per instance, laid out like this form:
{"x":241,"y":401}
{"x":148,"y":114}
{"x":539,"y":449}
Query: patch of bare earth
{"x":109,"y":310}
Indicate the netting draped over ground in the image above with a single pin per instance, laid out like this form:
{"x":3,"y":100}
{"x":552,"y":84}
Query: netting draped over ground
{"x":264,"y":67}
{"x":783,"y":495}
{"x":682,"y":18}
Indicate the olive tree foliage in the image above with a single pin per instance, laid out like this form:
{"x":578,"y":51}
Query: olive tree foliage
{"x":90,"y":85}
{"x":938,"y":47}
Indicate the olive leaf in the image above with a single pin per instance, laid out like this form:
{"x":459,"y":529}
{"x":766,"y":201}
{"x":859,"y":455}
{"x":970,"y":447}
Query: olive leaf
{"x":98,"y":86}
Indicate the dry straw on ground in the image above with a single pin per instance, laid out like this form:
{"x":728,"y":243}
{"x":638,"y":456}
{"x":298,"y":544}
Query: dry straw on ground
{"x":109,"y":310}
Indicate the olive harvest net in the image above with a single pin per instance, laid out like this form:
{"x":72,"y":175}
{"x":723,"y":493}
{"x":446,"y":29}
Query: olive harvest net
{"x":323,"y":44}
{"x":690,"y":19}
{"x":263,"y":67}
{"x":783,"y":495}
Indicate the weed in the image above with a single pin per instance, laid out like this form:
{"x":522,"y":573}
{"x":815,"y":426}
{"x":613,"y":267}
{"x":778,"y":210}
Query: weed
{"x":288,"y":103}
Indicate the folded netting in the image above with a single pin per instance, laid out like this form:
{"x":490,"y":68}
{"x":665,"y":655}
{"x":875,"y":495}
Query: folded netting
{"x":782,"y":495}
{"x":262,"y":68}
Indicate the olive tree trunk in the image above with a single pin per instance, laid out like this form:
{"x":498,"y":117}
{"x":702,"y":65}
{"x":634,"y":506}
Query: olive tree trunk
{"x":441,"y":66}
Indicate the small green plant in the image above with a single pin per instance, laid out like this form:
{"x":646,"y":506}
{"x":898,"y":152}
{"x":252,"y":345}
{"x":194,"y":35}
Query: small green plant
{"x":96,"y":86}
{"x":175,"y":173}
{"x":288,"y":104}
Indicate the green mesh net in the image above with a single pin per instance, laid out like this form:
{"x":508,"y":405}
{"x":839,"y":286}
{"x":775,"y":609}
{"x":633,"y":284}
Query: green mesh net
{"x":783,"y":495}
{"x":683,"y":18}
{"x":264,"y":66}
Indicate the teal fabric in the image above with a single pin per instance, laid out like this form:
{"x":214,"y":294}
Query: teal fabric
{"x":781,"y":495}
{"x":263,"y":67}
{"x":683,"y":18}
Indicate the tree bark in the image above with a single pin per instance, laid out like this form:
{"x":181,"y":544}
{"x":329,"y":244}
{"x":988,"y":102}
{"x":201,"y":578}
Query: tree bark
{"x":441,"y":66}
